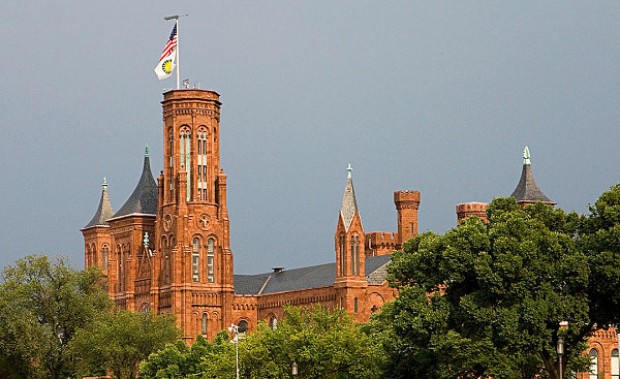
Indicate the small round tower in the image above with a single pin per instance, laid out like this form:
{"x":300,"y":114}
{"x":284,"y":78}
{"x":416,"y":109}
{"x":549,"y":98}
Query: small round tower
{"x":473,"y":208}
{"x":407,"y":203}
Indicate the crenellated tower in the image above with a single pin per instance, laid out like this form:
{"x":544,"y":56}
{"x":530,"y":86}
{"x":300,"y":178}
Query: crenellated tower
{"x":407,"y":204}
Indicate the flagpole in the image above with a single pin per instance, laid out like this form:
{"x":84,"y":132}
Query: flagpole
{"x":178,"y":55}
{"x":178,"y":60}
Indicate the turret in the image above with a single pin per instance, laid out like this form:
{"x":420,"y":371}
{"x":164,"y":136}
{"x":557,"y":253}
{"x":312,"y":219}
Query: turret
{"x":477,"y":209}
{"x":527,"y":191}
{"x":97,"y":239}
{"x":407,"y":204}
{"x":349,"y":238}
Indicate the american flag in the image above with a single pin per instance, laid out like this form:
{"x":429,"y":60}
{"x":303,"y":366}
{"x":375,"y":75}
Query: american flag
{"x":171,"y":44}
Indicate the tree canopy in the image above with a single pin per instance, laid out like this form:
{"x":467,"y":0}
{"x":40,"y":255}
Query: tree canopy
{"x":119,"y":341}
{"x":42,"y":305}
{"x":486,"y":299}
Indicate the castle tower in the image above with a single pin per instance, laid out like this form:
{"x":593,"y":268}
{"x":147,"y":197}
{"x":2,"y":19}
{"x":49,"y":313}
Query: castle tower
{"x":127,"y":284}
{"x":477,"y":209}
{"x":97,"y":239}
{"x":194,"y":264}
{"x":407,"y":204}
{"x":527,"y":191}
{"x":350,"y":257}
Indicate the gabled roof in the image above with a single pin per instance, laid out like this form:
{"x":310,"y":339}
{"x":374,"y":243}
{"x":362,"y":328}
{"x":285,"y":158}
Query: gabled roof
{"x":304,"y":278}
{"x":527,"y":190}
{"x":349,"y":203}
{"x":143,"y":200}
{"x":104,"y":211}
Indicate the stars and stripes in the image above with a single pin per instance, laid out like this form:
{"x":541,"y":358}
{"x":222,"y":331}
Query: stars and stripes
{"x":168,"y":59}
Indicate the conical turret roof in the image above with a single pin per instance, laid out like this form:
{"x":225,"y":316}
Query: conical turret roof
{"x":349,"y":203}
{"x":527,"y":190}
{"x":143,"y":200}
{"x":104,"y":211}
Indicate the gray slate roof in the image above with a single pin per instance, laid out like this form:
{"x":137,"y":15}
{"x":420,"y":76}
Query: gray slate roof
{"x":304,"y":278}
{"x":104,"y":211}
{"x":349,"y":204}
{"x":527,"y":190}
{"x":143,"y":200}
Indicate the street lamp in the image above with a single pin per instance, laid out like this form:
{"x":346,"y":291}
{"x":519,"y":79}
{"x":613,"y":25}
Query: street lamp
{"x":235,"y":329}
{"x":560,"y":353}
{"x":294,"y":369}
{"x":560,"y":347}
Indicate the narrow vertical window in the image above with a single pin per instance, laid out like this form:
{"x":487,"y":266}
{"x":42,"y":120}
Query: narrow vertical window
{"x":593,"y":364}
{"x":170,"y":148}
{"x":210,"y":260}
{"x":355,"y":305}
{"x":166,"y":249}
{"x":185,"y":154}
{"x":615,"y":365}
{"x":204,"y":324}
{"x":104,"y":258}
{"x":196,"y":260}
{"x":342,"y":255}
{"x":201,"y":168}
{"x":355,"y":263}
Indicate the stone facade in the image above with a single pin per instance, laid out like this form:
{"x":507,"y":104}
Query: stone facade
{"x":168,"y":247}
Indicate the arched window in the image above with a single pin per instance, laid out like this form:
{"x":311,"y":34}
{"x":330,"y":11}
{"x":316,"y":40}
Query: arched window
{"x":166,"y":249}
{"x":273,"y":322}
{"x":105,"y":252}
{"x":343,"y":257}
{"x":210,"y":260}
{"x":593,"y":364}
{"x":185,"y":155}
{"x":196,"y":260}
{"x":202,"y":164}
{"x":243,"y":327}
{"x":615,"y":365}
{"x":355,"y":260}
{"x":204,"y":324}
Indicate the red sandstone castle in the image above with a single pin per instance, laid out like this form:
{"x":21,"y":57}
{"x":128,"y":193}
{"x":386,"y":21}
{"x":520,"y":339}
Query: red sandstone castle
{"x":167,"y":248}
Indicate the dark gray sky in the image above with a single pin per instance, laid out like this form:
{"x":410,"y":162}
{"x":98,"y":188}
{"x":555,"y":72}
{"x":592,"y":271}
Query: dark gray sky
{"x":439,"y":97}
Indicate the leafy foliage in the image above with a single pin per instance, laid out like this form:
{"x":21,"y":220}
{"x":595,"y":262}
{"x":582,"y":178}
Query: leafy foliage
{"x":42,"y":305}
{"x":119,"y":341}
{"x":497,"y":295}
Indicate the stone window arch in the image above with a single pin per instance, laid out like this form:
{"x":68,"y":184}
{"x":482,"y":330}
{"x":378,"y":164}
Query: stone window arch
{"x":211,"y":260}
{"x":342,"y":251}
{"x":105,"y":256}
{"x":196,"y":259}
{"x":593,"y":364}
{"x":204,"y":324}
{"x":355,"y":259}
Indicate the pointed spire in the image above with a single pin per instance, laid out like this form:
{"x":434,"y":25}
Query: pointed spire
{"x":104,"y":211}
{"x":527,"y":190}
{"x":146,"y":150}
{"x":349,"y":203}
{"x":143,"y":200}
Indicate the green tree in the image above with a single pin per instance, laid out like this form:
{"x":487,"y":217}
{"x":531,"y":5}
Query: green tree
{"x":324,"y":344}
{"x":202,"y":359}
{"x":42,"y":305}
{"x":119,"y":341}
{"x":600,"y":242}
{"x":486,"y":300}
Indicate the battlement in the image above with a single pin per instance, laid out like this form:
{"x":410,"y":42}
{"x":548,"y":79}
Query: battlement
{"x":473,"y":208}
{"x":381,"y":243}
{"x":407,"y":196}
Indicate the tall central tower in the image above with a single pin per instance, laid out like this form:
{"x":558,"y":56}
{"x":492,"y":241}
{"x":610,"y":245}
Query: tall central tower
{"x":194,"y":274}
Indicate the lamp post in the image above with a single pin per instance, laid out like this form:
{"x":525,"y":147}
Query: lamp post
{"x":235,"y":329}
{"x":560,"y":353}
{"x":560,"y":346}
{"x":294,"y":369}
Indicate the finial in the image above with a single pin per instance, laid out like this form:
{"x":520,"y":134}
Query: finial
{"x":526,"y":156}
{"x":105,"y":183}
{"x":146,"y":239}
{"x":146,"y":150}
{"x":349,"y":169}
